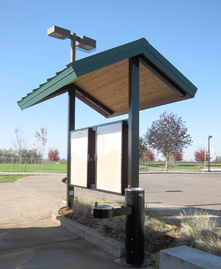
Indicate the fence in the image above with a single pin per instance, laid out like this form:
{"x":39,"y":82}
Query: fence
{"x":29,"y":164}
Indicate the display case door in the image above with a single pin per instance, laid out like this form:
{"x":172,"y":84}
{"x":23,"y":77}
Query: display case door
{"x":79,"y":158}
{"x":109,"y":157}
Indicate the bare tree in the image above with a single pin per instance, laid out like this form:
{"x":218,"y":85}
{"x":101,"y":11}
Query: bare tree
{"x":168,"y":135}
{"x":20,"y":144}
{"x":41,"y":138}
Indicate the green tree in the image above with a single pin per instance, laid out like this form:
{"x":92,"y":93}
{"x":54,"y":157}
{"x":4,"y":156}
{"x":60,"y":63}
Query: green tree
{"x":218,"y":159}
{"x":32,"y":153}
{"x":142,"y":146}
{"x":168,"y":135}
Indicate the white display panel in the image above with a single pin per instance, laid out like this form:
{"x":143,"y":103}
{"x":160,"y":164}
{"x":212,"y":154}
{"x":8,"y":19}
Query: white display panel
{"x":79,"y":153}
{"x":109,"y":154}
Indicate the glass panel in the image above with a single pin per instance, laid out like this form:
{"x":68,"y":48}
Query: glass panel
{"x":79,"y":154}
{"x":109,"y":154}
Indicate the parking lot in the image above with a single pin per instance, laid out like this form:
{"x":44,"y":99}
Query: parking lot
{"x":186,"y":190}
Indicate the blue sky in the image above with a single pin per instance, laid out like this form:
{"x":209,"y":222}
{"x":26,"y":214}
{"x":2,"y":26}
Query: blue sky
{"x":187,"y":33}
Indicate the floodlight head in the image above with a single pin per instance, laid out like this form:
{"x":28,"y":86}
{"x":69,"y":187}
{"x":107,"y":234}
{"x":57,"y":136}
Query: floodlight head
{"x":59,"y":32}
{"x":86,"y":43}
{"x":210,"y":136}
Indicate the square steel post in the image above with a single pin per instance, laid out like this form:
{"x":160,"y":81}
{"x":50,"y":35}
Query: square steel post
{"x":71,"y":127}
{"x":133,"y":123}
{"x":134,"y":227}
{"x":134,"y":196}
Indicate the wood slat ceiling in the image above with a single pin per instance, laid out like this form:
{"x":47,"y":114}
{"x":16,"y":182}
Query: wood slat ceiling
{"x":109,"y":85}
{"x":101,"y":80}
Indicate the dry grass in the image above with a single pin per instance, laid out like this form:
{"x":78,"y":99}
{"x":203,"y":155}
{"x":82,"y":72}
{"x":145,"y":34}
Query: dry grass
{"x":200,"y":232}
{"x":82,"y":209}
{"x":196,"y":231}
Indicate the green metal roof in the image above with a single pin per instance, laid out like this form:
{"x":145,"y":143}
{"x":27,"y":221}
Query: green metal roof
{"x":101,"y":80}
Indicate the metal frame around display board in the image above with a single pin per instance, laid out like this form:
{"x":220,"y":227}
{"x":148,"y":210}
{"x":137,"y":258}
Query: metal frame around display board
{"x":98,"y":157}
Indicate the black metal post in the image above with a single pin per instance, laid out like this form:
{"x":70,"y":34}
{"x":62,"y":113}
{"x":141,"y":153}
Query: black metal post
{"x":209,"y":152}
{"x":71,"y":127}
{"x":135,"y":231}
{"x":133,"y":123}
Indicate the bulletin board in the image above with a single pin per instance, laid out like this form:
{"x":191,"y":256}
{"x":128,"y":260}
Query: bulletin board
{"x":79,"y":157}
{"x":109,"y":157}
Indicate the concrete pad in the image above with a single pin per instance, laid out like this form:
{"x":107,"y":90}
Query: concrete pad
{"x":28,"y":236}
{"x":22,"y":237}
{"x":113,"y":247}
{"x":188,"y":258}
{"x":43,"y":244}
{"x":61,"y":255}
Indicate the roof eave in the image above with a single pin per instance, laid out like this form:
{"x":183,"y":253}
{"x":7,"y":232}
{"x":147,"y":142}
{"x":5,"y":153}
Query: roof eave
{"x":141,"y":47}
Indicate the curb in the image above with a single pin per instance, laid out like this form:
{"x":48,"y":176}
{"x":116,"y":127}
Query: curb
{"x":178,"y":172}
{"x":106,"y":243}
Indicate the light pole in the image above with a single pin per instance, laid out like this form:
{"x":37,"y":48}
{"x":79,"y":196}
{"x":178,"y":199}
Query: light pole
{"x":86,"y":44}
{"x":210,"y":136}
{"x":83,"y":42}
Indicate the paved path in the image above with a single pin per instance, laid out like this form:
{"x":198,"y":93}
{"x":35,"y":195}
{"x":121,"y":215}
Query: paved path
{"x":28,"y":236}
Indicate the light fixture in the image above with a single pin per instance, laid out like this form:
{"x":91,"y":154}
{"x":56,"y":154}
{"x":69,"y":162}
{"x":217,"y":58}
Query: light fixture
{"x":82,"y":42}
{"x":59,"y":32}
{"x":86,"y":43}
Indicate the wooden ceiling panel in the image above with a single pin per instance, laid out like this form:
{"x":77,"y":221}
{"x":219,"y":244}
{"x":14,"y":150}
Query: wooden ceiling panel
{"x":102,"y":76}
{"x":109,"y":85}
{"x":101,"y":80}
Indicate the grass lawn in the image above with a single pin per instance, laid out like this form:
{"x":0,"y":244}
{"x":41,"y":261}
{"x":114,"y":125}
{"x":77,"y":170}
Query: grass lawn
{"x":34,"y":168}
{"x":10,"y":178}
{"x":179,"y":166}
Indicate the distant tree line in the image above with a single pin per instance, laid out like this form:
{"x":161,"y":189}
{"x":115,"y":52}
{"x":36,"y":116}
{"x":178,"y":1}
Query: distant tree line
{"x":6,"y":155}
{"x":20,"y":152}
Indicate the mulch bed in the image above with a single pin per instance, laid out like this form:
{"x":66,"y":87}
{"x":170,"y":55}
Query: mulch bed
{"x":91,"y":223}
{"x":155,"y":241}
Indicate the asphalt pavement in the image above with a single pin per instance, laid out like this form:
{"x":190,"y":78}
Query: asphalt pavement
{"x":30,"y":239}
{"x":200,"y":190}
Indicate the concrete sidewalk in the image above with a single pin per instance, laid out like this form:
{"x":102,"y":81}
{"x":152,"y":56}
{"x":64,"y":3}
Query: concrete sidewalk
{"x":28,"y":236}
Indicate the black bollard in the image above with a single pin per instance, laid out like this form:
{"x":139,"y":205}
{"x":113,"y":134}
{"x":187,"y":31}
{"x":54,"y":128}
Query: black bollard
{"x":135,"y":231}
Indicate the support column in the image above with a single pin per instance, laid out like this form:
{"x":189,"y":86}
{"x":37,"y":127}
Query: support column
{"x":134,"y":227}
{"x":71,"y":127}
{"x":133,"y":123}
